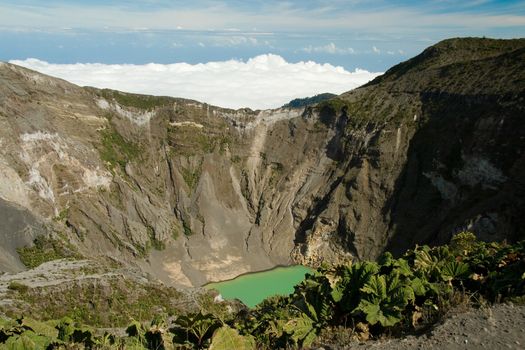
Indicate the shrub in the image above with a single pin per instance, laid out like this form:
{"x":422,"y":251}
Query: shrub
{"x":46,"y":249}
{"x":17,"y":286}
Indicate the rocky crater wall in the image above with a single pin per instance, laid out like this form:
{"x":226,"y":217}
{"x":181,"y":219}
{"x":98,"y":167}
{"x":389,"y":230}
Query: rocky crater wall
{"x":193,"y":193}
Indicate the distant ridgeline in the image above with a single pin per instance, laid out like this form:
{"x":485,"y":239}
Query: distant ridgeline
{"x":307,"y":101}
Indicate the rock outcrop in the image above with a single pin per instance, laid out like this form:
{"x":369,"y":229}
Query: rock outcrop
{"x":193,"y":193}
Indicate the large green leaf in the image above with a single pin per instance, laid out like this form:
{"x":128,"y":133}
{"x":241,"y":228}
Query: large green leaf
{"x":402,"y":296}
{"x":419,"y":286}
{"x":338,"y":292}
{"x":376,"y":287}
{"x":65,"y":328}
{"x":389,"y":264}
{"x":347,"y":292}
{"x":7,"y":323}
{"x":9,"y":328}
{"x":226,"y":338}
{"x":403,"y":268}
{"x":300,"y":329}
{"x":375,"y":314}
{"x":39,"y":327}
{"x":383,"y":299}
{"x":194,"y":328}
{"x":27,"y":341}
{"x":313,"y":297}
{"x":454,"y":270}
{"x":275,"y":328}
{"x":309,"y":339}
{"x":429,"y":262}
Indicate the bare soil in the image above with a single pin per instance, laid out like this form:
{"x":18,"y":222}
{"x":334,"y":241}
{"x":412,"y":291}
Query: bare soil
{"x":501,"y":326}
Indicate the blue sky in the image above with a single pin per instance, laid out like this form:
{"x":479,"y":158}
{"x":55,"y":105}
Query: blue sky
{"x":372,"y":35}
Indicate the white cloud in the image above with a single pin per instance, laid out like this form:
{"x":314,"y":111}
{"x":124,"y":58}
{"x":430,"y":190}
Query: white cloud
{"x":265,"y":81}
{"x":376,"y":50}
{"x":330,"y":48}
{"x":237,"y":40}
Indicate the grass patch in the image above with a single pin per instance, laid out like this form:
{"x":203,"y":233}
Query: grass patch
{"x":116,"y":150}
{"x":135,"y":100}
{"x":277,"y":171}
{"x":191,"y":178}
{"x":187,"y":141}
{"x":64,"y":213}
{"x":155,"y":243}
{"x":17,"y":286}
{"x":112,"y":303}
{"x":308,"y":101}
{"x":334,"y":105}
{"x":175,"y":233}
{"x":187,"y":229}
{"x":46,"y":249}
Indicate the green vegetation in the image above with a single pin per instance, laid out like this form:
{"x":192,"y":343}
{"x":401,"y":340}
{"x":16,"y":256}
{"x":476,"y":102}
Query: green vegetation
{"x":62,"y":215}
{"x":17,"y":286}
{"x":226,"y":338}
{"x":191,"y":177}
{"x":155,"y":242}
{"x":112,"y":303}
{"x":46,"y":249}
{"x":276,"y":174}
{"x":116,"y":150}
{"x":407,"y":294}
{"x":451,"y":52}
{"x":307,"y":101}
{"x":175,"y":233}
{"x":334,"y":105}
{"x":367,"y":299}
{"x":187,"y":229}
{"x":190,"y":141}
{"x":135,"y":100}
{"x":29,"y":334}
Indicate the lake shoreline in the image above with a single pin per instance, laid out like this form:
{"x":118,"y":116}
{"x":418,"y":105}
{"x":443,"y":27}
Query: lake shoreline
{"x":252,"y":288}
{"x":254,"y":272}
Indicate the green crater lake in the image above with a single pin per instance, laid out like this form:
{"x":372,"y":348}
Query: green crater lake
{"x":253,"y":288}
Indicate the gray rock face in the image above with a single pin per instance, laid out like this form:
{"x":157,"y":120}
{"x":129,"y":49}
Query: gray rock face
{"x":193,"y":193}
{"x":19,"y":228}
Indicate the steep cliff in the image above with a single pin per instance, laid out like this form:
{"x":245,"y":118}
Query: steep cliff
{"x":444,"y":152}
{"x":192,"y":193}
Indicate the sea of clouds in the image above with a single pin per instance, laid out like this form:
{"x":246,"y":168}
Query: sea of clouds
{"x":265,"y":81}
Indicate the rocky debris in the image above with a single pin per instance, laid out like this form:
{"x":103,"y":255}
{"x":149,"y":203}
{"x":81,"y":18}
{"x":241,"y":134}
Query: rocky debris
{"x":18,"y":228}
{"x":97,"y":293}
{"x":496,"y":327}
{"x":54,"y":273}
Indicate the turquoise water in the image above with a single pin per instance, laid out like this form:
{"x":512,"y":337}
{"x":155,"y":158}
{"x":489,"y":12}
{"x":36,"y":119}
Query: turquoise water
{"x":253,"y":288}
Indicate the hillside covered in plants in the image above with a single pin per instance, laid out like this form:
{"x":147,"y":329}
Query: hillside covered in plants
{"x":354,"y":301}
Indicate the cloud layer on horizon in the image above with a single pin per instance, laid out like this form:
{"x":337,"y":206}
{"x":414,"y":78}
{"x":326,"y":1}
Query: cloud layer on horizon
{"x":265,"y":81}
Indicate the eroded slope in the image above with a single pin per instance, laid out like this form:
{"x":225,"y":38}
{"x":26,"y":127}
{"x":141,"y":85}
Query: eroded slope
{"x":192,"y":193}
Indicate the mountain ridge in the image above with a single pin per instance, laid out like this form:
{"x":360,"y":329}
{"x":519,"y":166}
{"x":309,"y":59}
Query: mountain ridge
{"x":184,"y":191}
